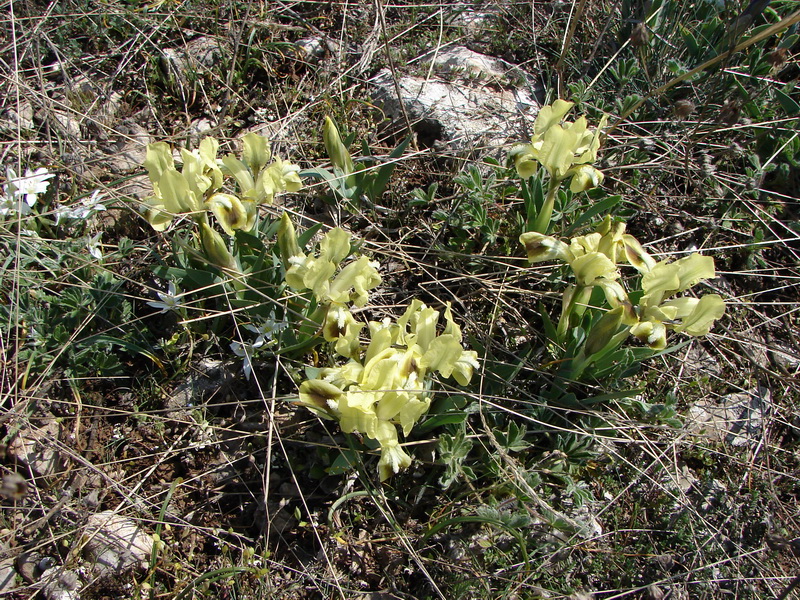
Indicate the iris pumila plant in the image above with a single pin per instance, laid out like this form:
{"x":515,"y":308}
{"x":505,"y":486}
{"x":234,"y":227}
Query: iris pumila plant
{"x":565,"y":149}
{"x":594,"y":260}
{"x":197,"y":189}
{"x":335,"y":288}
{"x":386,"y":385}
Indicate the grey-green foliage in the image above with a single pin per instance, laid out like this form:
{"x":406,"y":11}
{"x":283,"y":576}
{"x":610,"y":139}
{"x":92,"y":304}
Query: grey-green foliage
{"x":453,"y":451}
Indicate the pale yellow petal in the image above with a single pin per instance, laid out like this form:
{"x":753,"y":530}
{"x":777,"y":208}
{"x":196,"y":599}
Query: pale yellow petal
{"x":335,"y":245}
{"x":550,"y":115}
{"x":540,"y":247}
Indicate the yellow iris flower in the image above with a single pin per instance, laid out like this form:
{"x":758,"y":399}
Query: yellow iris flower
{"x":565,"y":149}
{"x":388,"y":387}
{"x":196,"y":188}
{"x":657,"y":313}
{"x":318,"y":273}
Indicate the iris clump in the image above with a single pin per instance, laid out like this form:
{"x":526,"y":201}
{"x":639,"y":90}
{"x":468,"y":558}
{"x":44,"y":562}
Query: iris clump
{"x":594,"y":260}
{"x":197,"y":189}
{"x":335,"y":288}
{"x":386,"y":384}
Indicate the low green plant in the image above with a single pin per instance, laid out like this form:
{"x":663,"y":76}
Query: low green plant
{"x":356,"y":182}
{"x":67,"y":312}
{"x":478,"y":217}
{"x":385,"y":383}
{"x":236,"y":269}
{"x":197,"y":190}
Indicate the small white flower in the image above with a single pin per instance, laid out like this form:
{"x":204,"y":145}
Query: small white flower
{"x":266,"y":332}
{"x":169,"y":300}
{"x":95,"y":247}
{"x":244,"y":351}
{"x":7,"y":206}
{"x":12,"y":204}
{"x":28,"y":187}
{"x":82,"y":211}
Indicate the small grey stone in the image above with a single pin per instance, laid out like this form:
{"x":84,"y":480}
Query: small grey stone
{"x":460,"y":60}
{"x":197,"y":55}
{"x":14,"y":486}
{"x":37,"y":448}
{"x":737,"y":419}
{"x":698,"y":362}
{"x":465,"y":116}
{"x":474,"y":23}
{"x":207,"y":377}
{"x":655,"y":593}
{"x":20,"y":116}
{"x":67,"y":123}
{"x":27,"y":565}
{"x":784,"y":357}
{"x":199,"y":129}
{"x":312,"y":49}
{"x":8,"y":574}
{"x":60,"y":584}
{"x":128,"y":151}
{"x":116,"y":544}
{"x":664,"y":561}
{"x":463,"y":113}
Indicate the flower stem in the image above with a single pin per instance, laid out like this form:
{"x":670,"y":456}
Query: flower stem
{"x":542,"y":222}
{"x":573,"y":303}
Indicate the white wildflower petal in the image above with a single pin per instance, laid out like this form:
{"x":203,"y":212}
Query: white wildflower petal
{"x":169,"y":300}
{"x":266,"y":332}
{"x":6,"y":206}
{"x":245,"y":352}
{"x":95,"y":247}
{"x":31,"y":185}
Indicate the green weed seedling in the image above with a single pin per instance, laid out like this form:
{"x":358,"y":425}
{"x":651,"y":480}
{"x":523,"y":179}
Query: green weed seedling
{"x":477,"y":218}
{"x":358,"y":182}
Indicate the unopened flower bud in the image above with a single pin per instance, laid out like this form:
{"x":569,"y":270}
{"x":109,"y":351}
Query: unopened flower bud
{"x":604,"y":330}
{"x":287,"y":240}
{"x":339,"y":155}
{"x":215,"y":248}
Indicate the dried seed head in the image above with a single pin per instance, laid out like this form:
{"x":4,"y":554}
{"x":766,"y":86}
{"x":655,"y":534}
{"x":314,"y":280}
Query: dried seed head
{"x":683,"y":108}
{"x":777,"y":57}
{"x":640,"y":36}
{"x":729,"y":113}
{"x":13,"y":486}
